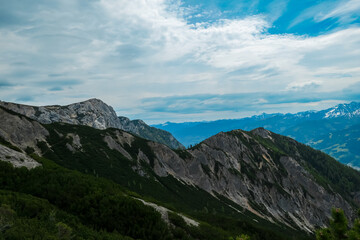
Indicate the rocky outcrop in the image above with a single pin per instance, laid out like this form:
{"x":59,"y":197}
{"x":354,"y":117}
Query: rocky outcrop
{"x":21,"y":131}
{"x":17,"y":159}
{"x":164,"y":212}
{"x":93,"y":113}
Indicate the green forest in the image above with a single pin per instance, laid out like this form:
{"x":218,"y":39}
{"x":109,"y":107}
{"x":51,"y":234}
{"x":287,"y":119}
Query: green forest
{"x":52,"y":202}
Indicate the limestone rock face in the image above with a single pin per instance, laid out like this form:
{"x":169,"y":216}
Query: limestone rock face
{"x":93,"y":113}
{"x":17,"y":159}
{"x":237,"y":166}
{"x":20,"y":131}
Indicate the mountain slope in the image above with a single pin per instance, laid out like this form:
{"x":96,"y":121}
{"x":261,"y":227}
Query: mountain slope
{"x":93,"y":113}
{"x":343,"y":145}
{"x":130,"y":161}
{"x":274,"y":177}
{"x":305,"y":127}
{"x":253,"y":175}
{"x":143,"y":130}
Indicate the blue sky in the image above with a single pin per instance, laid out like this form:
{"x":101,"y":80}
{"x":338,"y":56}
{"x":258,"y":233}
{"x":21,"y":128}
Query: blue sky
{"x":186,"y":60}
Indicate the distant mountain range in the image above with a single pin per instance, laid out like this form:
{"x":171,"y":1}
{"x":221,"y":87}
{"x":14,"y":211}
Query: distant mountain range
{"x":314,"y":128}
{"x":256,"y":182}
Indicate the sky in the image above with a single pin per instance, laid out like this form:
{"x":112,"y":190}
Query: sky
{"x":181,"y":60}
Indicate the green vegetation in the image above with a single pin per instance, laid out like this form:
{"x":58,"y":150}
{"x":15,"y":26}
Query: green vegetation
{"x":23,"y":216}
{"x":183,"y":154}
{"x":338,"y":229}
{"x":9,"y":145}
{"x":55,"y":203}
{"x":97,"y":202}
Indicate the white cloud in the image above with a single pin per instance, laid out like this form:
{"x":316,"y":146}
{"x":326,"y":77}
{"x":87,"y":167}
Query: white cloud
{"x":342,"y":10}
{"x":124,"y":51}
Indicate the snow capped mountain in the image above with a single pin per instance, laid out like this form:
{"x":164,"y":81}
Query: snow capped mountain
{"x":343,"y":110}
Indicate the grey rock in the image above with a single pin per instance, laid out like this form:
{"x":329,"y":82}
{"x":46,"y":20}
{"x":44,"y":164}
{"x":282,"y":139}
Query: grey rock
{"x":93,"y":113}
{"x":113,"y":144}
{"x":17,"y":159}
{"x":20,"y":131}
{"x":242,"y":169}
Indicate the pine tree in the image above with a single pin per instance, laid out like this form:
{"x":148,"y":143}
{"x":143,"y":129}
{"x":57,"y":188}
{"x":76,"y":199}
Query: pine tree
{"x":338,"y":229}
{"x":338,"y":224}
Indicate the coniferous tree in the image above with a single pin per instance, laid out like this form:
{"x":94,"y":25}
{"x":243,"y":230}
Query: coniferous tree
{"x":338,"y":229}
{"x":338,"y":224}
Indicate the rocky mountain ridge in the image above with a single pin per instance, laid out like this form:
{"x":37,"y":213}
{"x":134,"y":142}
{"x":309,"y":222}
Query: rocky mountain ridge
{"x":94,"y":113}
{"x":236,"y":165}
{"x":270,"y":176}
{"x":350,"y":110}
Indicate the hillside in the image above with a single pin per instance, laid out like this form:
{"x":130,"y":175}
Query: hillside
{"x":343,"y":145}
{"x":269,"y":184}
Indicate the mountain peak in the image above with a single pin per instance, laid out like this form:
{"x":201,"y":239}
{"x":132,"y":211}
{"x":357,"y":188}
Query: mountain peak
{"x":262,"y":132}
{"x":94,"y":100}
{"x":348,"y":110}
{"x":93,"y":113}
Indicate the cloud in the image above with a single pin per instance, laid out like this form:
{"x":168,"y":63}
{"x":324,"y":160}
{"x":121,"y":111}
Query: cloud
{"x":345,"y":11}
{"x":25,"y":98}
{"x":138,"y":55}
{"x":276,"y":9}
{"x":4,"y":83}
{"x":59,"y":82}
{"x":54,"y":89}
{"x":247,"y":102}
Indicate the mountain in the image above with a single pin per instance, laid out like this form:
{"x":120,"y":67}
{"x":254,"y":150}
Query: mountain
{"x":305,"y":127}
{"x":94,"y":113}
{"x":129,"y":162}
{"x":343,"y":145}
{"x":258,"y":179}
{"x":350,"y":110}
{"x":143,"y":130}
